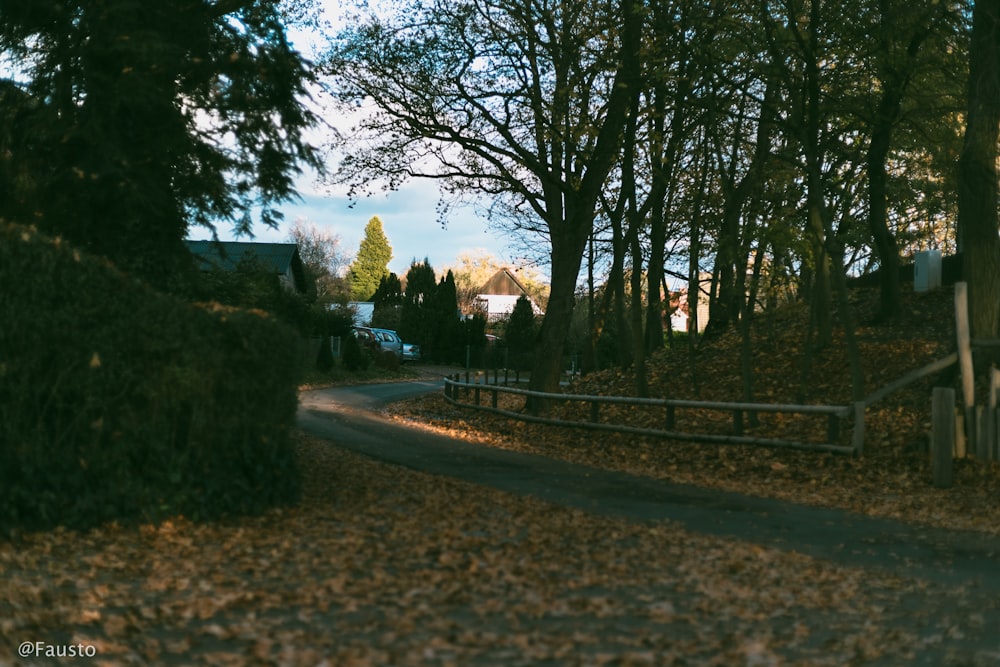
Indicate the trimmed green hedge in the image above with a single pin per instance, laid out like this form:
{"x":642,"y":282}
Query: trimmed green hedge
{"x":118,"y":402}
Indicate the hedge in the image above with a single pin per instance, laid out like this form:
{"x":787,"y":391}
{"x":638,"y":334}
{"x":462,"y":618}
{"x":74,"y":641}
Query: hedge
{"x":121,"y":403}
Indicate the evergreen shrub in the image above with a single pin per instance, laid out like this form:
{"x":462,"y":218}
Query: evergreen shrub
{"x":118,"y":402}
{"x":354,"y":358}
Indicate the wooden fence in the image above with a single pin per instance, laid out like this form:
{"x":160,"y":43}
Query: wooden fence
{"x":970,"y":430}
{"x":835,"y":414}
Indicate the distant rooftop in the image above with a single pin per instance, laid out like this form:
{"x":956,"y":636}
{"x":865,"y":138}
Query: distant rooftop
{"x":282,"y":258}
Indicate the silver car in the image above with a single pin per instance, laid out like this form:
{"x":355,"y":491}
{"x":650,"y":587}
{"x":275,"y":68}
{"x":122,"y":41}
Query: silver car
{"x":411,"y":352}
{"x":379,"y":340}
{"x":389,"y":341}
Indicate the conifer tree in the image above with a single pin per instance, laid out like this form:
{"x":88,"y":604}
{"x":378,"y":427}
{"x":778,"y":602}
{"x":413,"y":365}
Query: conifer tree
{"x":372,"y":262}
{"x":521,"y":333}
{"x":446,"y":315}
{"x":388,"y":299}
{"x":418,"y":321}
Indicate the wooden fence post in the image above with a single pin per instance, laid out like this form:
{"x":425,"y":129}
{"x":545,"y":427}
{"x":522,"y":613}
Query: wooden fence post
{"x":965,"y":362}
{"x":942,"y":436}
{"x":988,"y":451}
{"x":858,"y":437}
{"x":833,"y":429}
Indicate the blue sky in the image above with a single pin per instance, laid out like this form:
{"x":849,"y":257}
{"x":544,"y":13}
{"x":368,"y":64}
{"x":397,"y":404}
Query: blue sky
{"x":409,"y":218}
{"x":409,"y":215}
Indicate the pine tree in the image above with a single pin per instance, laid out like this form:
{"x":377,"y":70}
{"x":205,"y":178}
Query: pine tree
{"x":372,"y":262}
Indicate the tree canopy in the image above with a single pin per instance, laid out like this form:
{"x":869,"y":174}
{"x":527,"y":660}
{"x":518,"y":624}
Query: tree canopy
{"x":746,"y":151}
{"x":136,"y":121}
{"x":521,"y":101}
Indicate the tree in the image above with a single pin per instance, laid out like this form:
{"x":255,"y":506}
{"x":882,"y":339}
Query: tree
{"x":144,"y":119}
{"x":388,"y":300}
{"x":446,"y":314}
{"x":520,"y":100}
{"x":419,"y":320}
{"x":978,"y":190}
{"x":371,"y":263}
{"x":521,"y":333}
{"x":323,"y":260}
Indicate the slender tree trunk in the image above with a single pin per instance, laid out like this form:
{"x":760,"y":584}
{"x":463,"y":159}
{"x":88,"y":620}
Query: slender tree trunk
{"x":883,"y":239}
{"x":733,"y":237}
{"x":638,"y":348}
{"x":815,"y":195}
{"x":894,"y":84}
{"x":589,"y":363}
{"x":746,"y":332}
{"x":616,"y":289}
{"x":846,"y":317}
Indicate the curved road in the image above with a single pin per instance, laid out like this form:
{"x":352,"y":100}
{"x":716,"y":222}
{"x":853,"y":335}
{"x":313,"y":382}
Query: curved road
{"x":347,"y":417}
{"x":961,"y":569}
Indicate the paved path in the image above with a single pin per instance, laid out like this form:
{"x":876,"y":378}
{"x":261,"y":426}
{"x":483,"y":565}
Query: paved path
{"x":955,"y":611}
{"x":345,"y":416}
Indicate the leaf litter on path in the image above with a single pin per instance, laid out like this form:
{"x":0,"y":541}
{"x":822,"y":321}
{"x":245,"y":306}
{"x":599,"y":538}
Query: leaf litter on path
{"x":380,"y":565}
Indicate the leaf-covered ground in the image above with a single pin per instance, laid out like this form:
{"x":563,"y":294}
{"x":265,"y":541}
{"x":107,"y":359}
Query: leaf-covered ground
{"x":384,"y":566}
{"x":380,"y":565}
{"x":892,"y":479}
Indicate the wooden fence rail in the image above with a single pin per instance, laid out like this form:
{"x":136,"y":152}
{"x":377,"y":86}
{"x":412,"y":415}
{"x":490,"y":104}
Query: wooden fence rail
{"x":835,"y":413}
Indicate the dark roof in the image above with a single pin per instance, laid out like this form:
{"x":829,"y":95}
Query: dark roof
{"x":503,"y":282}
{"x":282,"y":258}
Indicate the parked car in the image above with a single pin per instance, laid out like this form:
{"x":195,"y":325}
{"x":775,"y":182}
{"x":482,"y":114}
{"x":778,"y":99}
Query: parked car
{"x":411,"y":352}
{"x":389,"y":341}
{"x":379,"y":340}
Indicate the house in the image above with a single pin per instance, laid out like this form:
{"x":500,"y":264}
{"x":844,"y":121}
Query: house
{"x":496,"y":298}
{"x":680,"y":318}
{"x":282,"y":258}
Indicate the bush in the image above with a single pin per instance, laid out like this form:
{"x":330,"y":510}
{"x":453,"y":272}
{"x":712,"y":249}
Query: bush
{"x":120,"y":403}
{"x":355,"y":359}
{"x":324,"y":358}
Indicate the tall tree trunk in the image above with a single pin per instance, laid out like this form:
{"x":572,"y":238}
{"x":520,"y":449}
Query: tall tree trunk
{"x":733,"y":237}
{"x":616,"y":289}
{"x":977,"y":189}
{"x":567,"y":255}
{"x":746,"y":332}
{"x":895,"y":80}
{"x":569,"y":230}
{"x":662,"y":193}
{"x":883,"y":239}
{"x":815,"y":195}
{"x":589,"y":363}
